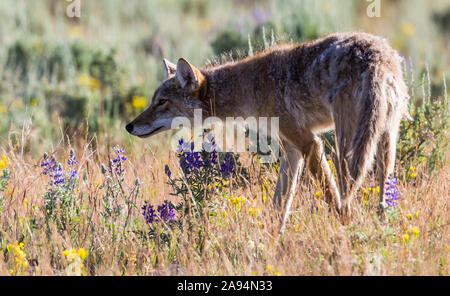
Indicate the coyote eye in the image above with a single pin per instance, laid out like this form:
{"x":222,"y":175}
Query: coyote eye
{"x":162,"y":102}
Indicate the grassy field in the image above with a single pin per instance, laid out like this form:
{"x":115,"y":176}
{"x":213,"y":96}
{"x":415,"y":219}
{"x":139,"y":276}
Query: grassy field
{"x":80,"y":196}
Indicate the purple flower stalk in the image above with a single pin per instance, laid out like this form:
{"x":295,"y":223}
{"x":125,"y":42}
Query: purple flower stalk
{"x":189,"y":161}
{"x":166,"y":212}
{"x":148,"y":212}
{"x":57,"y":175}
{"x":391,"y":193}
{"x":72,"y":161}
{"x":227,"y":166}
{"x":210,"y":147}
{"x":53,"y":169}
{"x":118,"y":160}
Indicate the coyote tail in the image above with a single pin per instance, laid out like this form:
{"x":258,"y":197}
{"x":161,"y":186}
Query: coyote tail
{"x":370,"y":125}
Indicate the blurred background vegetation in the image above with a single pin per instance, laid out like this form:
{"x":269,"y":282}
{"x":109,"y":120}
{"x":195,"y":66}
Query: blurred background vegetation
{"x":89,"y":75}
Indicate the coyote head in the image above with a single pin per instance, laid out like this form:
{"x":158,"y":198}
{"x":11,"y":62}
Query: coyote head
{"x":182,"y":92}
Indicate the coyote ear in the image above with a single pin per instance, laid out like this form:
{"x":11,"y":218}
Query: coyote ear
{"x":170,"y":68}
{"x":188,"y":75}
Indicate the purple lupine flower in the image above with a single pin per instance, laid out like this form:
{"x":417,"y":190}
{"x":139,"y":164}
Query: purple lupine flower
{"x":213,"y":157}
{"x":166,"y":211}
{"x":211,"y":148}
{"x":180,"y":145}
{"x":148,"y":212}
{"x":227,"y":166}
{"x":116,"y":163}
{"x":189,"y":161}
{"x":184,"y":146}
{"x":72,"y":161}
{"x":53,"y":169}
{"x":193,"y":161}
{"x":48,"y":164}
{"x":196,"y":161}
{"x":391,"y":193}
{"x":72,"y":158}
{"x":56,"y":175}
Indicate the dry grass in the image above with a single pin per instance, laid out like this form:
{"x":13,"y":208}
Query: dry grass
{"x":233,"y":242}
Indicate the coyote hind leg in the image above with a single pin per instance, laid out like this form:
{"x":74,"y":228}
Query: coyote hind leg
{"x":291,"y":164}
{"x":318,"y":166}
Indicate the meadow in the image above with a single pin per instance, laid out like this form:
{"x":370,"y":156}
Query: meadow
{"x":80,"y":196}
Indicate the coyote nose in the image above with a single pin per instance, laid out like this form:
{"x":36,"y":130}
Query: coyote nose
{"x":129,"y":128}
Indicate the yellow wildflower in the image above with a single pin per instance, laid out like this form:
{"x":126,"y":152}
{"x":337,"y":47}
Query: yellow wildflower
{"x":405,"y":237}
{"x":75,"y":259}
{"x":19,"y":256}
{"x":4,"y":162}
{"x":415,"y":230}
{"x":237,"y":202}
{"x":254,"y":212}
{"x":272,"y":270}
{"x":138,"y":102}
{"x":25,"y":203}
{"x":409,"y":216}
{"x":412,"y":171}
{"x":82,"y":253}
{"x":417,"y":214}
{"x":86,"y":80}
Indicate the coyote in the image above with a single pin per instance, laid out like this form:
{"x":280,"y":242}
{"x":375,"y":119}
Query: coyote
{"x":350,"y":82}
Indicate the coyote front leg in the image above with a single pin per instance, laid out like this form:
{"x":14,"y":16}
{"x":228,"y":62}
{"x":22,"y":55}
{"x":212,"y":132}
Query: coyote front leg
{"x":292,"y":163}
